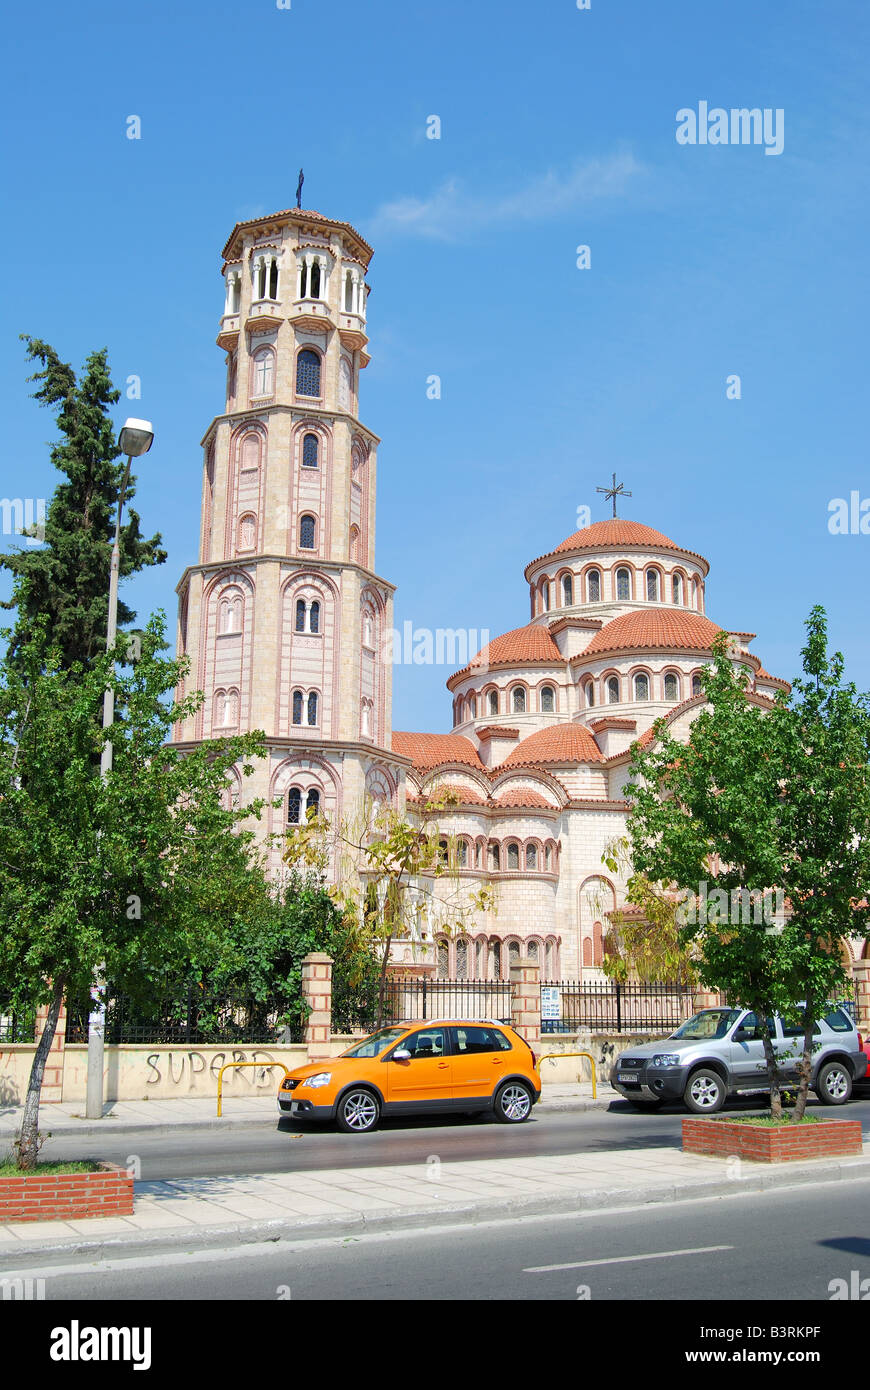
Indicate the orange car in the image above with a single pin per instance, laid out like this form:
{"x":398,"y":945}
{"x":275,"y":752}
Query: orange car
{"x":438,"y":1067}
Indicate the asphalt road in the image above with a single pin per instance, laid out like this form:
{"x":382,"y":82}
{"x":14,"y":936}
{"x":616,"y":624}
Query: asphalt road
{"x":787,"y":1244}
{"x":282,"y":1146}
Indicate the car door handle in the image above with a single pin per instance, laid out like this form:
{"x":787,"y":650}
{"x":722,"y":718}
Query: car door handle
{"x":442,"y":1066}
{"x":496,"y":1061}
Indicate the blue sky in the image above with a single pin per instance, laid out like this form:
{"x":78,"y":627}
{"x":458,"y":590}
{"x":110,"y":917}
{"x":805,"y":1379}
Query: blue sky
{"x":558,"y":129}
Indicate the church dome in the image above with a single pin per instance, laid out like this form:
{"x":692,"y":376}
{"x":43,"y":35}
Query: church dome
{"x":616,"y":534}
{"x":531,"y":645}
{"x":655,"y":629}
{"x":563,"y":743}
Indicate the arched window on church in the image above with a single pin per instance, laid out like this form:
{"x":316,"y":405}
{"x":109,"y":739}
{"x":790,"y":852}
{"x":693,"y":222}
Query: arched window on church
{"x":493,"y":701}
{"x":462,"y":958}
{"x":548,"y":700}
{"x":613,"y":690}
{"x":314,"y":292}
{"x":297,"y":706}
{"x":314,"y":617}
{"x":593,"y":586}
{"x":672,"y":689}
{"x":306,"y":533}
{"x":312,"y":708}
{"x":307,"y":373}
{"x":513,"y":856}
{"x":294,"y":804}
{"x":641,"y":687}
{"x":300,"y":615}
{"x":678,"y":588}
{"x":494,"y":857}
{"x":310,"y":448}
{"x":462,"y":854}
{"x":531,"y":856}
{"x":652,"y":586}
{"x":312,"y":802}
{"x":589,"y":692}
{"x":623,"y":584}
{"x":567,"y":590}
{"x":696,"y":594}
{"x":696,"y":685}
{"x":354,"y":544}
{"x":519,"y":700}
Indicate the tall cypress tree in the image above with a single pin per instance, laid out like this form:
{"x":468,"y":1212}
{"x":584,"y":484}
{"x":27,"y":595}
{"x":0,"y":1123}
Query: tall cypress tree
{"x":67,"y":580}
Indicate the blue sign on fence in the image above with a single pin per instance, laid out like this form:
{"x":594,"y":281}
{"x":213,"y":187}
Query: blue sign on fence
{"x":551,"y":1002}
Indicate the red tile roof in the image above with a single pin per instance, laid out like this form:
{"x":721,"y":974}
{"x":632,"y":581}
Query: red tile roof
{"x":466,"y":796}
{"x":616,"y":534}
{"x":531,"y":645}
{"x":562,"y":743}
{"x":654,"y":629}
{"x":522,"y":796}
{"x":295,"y":215}
{"x":431,"y":750}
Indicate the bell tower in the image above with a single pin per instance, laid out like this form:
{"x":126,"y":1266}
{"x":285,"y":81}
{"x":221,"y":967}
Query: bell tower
{"x":284,"y":618}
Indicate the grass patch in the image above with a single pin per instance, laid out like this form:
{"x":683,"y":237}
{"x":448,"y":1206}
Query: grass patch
{"x":770,"y":1121}
{"x":9,"y":1168}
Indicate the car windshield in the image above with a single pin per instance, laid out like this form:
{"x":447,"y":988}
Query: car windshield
{"x":712,"y":1023}
{"x":376,"y":1043}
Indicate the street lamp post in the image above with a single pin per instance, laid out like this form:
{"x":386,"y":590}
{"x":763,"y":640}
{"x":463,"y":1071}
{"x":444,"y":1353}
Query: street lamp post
{"x":135,"y":439}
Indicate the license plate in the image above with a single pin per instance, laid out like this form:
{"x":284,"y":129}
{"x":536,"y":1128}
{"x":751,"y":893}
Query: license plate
{"x":294,"y":1106}
{"x":629,"y":1076}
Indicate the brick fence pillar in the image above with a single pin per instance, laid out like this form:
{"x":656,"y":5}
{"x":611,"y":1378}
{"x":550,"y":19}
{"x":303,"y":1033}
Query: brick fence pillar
{"x":861,"y":974}
{"x":317,"y":990}
{"x":52,"y":1080}
{"x":706,"y":999}
{"x":526,"y":999}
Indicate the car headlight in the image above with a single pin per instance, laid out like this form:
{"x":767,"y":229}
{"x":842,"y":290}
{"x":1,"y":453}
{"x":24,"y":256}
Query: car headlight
{"x":666,"y":1059}
{"x":322,"y":1078}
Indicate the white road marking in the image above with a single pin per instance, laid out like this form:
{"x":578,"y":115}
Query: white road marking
{"x":627,"y":1259}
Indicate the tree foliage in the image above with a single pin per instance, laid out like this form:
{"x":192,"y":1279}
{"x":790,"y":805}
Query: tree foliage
{"x":765,"y":798}
{"x":66,"y":581}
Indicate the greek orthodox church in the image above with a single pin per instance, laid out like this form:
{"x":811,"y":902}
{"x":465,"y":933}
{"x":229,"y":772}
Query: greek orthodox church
{"x":286,"y":621}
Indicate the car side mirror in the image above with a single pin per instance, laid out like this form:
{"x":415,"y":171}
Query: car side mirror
{"x":401,"y":1055}
{"x":744,"y":1035}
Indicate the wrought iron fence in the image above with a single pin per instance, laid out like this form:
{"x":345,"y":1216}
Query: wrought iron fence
{"x":607,"y":1007}
{"x":191,"y":1016}
{"x":17,"y":1025}
{"x":406,"y":1000}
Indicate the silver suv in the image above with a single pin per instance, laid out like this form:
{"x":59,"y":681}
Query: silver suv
{"x":720,"y":1052}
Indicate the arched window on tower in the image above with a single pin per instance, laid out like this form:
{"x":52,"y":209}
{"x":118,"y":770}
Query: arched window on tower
{"x":310,"y":447}
{"x":264,"y":372}
{"x":294,"y":803}
{"x":273,"y":280}
{"x":623,"y":584}
{"x":548,"y":700}
{"x":312,"y":709}
{"x":300,"y":615}
{"x":567,"y":590}
{"x":312,"y":802}
{"x":613,"y":690}
{"x":297,"y":706}
{"x":593,"y":586}
{"x":641,"y":687}
{"x":306,"y":533}
{"x":652,"y":586}
{"x":307,"y":373}
{"x":315,"y":280}
{"x":314,"y":617}
{"x":354,"y":544}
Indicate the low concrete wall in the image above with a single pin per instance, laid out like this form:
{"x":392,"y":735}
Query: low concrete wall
{"x":147,"y":1070}
{"x":605,"y":1048}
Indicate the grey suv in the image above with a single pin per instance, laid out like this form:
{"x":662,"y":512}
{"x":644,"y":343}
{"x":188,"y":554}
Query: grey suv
{"x":720,"y":1052}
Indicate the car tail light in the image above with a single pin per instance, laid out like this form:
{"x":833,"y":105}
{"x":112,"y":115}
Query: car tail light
{"x":860,"y":1043}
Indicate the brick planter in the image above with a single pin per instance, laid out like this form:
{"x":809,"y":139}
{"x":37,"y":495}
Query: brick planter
{"x":765,"y":1144}
{"x":66,"y":1196}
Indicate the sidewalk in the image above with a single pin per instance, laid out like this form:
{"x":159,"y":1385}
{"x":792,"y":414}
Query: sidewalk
{"x":138,"y":1116}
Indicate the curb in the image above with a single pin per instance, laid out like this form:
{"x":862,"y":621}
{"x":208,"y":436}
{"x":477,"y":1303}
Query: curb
{"x":110,"y":1126}
{"x":190,"y":1238}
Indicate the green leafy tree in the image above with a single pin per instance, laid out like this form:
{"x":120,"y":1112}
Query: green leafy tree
{"x":134,"y":875}
{"x":67,"y":580}
{"x":647,"y":944}
{"x":765,"y":798}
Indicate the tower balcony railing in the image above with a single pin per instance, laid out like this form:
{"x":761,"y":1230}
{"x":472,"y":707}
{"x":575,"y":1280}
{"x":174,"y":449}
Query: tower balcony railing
{"x":312,"y":313}
{"x":264,"y":313}
{"x":228,"y":336}
{"x":352,"y":330}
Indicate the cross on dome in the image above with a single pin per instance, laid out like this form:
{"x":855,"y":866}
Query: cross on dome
{"x":614,"y":491}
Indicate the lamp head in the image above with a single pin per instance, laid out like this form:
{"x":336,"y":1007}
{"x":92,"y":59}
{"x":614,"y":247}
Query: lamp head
{"x":136,"y":438}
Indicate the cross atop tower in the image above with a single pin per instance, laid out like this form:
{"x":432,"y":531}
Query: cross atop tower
{"x":611,"y":493}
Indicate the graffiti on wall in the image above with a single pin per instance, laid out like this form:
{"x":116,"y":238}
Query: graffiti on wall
{"x":183,"y":1068}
